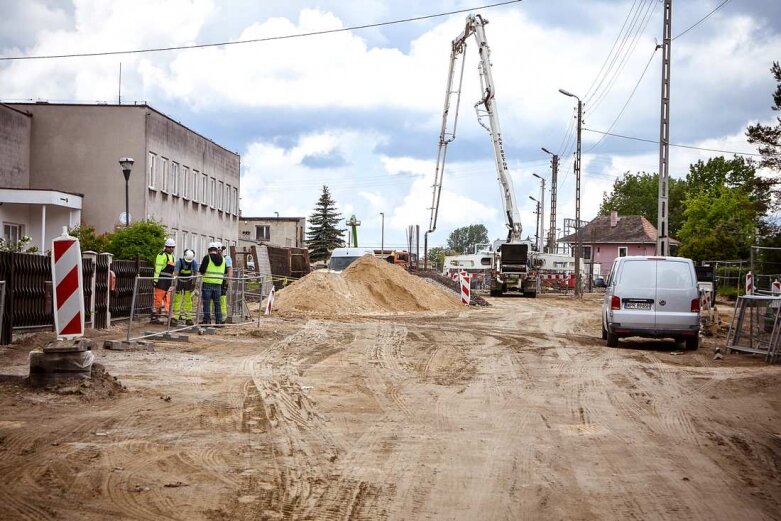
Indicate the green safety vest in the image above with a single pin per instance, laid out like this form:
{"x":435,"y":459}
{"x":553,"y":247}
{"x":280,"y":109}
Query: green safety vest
{"x":185,"y":283}
{"x":164,"y":264}
{"x":214,"y":274}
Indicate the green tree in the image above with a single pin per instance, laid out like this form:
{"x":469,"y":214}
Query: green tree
{"x":709,"y":177}
{"x":720,"y":225}
{"x":142,"y":239}
{"x":463,"y":240}
{"x":437,"y":254}
{"x":766,"y":136}
{"x":324,"y":235}
{"x":90,"y":240}
{"x":638,"y":194}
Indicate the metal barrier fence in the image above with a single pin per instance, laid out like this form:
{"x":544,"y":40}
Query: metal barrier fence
{"x":185,"y":310}
{"x":2,"y":304}
{"x":755,"y":326}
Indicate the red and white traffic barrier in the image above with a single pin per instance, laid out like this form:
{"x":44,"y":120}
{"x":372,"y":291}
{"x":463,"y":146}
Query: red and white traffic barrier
{"x":749,"y":283}
{"x":270,"y":301}
{"x":465,"y":289}
{"x":68,"y":284}
{"x":775,"y":288}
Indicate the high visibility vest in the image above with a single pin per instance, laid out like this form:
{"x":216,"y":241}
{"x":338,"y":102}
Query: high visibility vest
{"x":214,"y":274}
{"x":186,"y":271}
{"x":164,"y":265}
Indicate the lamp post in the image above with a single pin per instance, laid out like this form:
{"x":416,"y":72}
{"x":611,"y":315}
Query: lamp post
{"x":536,"y":223}
{"x":382,"y":235}
{"x":127,"y":165}
{"x":578,"y":289}
{"x":540,"y":247}
{"x":552,"y":247}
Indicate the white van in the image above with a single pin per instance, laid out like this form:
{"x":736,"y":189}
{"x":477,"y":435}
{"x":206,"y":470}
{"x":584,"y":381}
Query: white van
{"x":343,"y":257}
{"x":654,"y":297}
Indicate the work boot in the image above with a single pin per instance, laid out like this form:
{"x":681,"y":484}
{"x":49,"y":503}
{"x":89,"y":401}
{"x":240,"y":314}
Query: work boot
{"x":174,"y":322}
{"x":154,"y":319}
{"x":189,"y":322}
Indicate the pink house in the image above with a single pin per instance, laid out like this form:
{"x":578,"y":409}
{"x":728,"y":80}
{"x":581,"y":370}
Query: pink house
{"x":608,"y":237}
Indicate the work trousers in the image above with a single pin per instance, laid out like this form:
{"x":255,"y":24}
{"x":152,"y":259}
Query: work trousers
{"x":210,"y":295}
{"x":183,"y":305}
{"x":162,"y":301}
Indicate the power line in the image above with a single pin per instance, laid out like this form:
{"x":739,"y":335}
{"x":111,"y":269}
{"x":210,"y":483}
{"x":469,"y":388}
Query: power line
{"x":701,"y":19}
{"x":257,"y":40}
{"x":673,"y":145}
{"x":640,"y":79}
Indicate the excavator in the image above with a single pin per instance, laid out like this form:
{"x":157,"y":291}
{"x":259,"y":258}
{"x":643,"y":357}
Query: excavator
{"x":513,"y":267}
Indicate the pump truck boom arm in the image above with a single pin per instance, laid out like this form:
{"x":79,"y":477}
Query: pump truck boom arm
{"x":485,"y":108}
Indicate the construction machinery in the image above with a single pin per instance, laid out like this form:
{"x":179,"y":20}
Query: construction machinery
{"x":513,"y":267}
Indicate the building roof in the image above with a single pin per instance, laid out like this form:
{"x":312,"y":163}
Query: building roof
{"x":628,"y":229}
{"x":242,"y":218}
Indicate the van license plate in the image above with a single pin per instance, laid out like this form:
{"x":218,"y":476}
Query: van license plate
{"x":637,"y":305}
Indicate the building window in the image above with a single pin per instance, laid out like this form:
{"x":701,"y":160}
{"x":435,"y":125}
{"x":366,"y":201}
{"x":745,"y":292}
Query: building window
{"x":587,"y":252}
{"x":152,"y":171}
{"x":262,"y":232}
{"x":185,"y":238}
{"x":213,"y":192}
{"x":226,"y":199}
{"x":204,"y":188}
{"x":219,"y":194}
{"x":622,"y":251}
{"x":185,"y":182}
{"x":236,"y":210}
{"x":174,"y":178}
{"x":164,"y":174}
{"x":194,"y":189}
{"x":12,"y":233}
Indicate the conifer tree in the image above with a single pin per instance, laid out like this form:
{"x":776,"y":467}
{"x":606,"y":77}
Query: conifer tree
{"x":767,"y":137}
{"x":324,"y":235}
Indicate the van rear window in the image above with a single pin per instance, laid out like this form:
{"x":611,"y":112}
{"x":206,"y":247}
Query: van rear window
{"x":674,"y":275}
{"x":638,"y":275}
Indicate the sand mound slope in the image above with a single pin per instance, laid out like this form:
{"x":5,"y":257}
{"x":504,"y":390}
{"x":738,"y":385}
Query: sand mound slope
{"x":367,"y":285}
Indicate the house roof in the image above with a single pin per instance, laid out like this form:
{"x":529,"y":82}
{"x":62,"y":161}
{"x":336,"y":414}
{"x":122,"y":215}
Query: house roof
{"x":628,"y":229}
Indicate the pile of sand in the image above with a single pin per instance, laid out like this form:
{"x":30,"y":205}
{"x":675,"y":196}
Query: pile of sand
{"x":367,"y":285}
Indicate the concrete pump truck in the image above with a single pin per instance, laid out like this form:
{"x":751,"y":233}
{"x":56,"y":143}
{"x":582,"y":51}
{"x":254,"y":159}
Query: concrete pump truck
{"x":513,"y":268}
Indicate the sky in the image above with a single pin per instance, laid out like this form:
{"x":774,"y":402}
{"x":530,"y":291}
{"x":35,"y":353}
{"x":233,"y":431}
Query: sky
{"x":360,"y":110}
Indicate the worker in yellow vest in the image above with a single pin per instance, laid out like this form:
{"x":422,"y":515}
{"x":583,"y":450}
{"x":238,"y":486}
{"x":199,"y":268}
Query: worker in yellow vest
{"x":185,"y":274}
{"x":164,"y":272}
{"x":212,"y":268}
{"x":228,"y":276}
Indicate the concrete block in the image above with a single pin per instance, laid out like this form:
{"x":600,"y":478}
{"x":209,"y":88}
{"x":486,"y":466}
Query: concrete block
{"x":76,"y":345}
{"x":124,"y":345}
{"x":46,"y":368}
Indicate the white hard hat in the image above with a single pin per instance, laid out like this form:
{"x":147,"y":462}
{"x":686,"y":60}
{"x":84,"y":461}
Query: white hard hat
{"x":218,"y":244}
{"x":170,"y":242}
{"x":214,"y":245}
{"x":189,"y":255}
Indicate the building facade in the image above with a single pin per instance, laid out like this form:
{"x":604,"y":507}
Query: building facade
{"x":39,"y":213}
{"x":607,"y":237}
{"x":285,"y":232}
{"x":180,"y":178}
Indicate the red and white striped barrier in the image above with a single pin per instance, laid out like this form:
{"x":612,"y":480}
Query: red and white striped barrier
{"x":465,"y":289}
{"x":749,"y":283}
{"x":775,"y":288}
{"x":68,"y":284}
{"x":270,"y":301}
{"x":454,"y":276}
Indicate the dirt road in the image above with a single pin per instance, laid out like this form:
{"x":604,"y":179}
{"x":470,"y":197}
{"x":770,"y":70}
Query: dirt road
{"x":517,"y":411}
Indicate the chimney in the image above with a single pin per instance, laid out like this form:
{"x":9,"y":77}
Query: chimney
{"x":613,"y":219}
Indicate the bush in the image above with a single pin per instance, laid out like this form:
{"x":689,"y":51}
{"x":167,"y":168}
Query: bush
{"x":142,"y":239}
{"x":89,"y":240}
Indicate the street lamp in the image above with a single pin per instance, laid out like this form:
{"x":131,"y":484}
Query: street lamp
{"x":542,"y":212}
{"x":382,"y":236}
{"x":536,"y":223}
{"x":126,"y":163}
{"x":552,"y":247}
{"x":578,"y":291}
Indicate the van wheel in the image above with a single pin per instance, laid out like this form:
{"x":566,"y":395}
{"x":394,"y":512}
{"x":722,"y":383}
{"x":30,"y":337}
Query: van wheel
{"x":693,"y":343}
{"x":612,"y":339}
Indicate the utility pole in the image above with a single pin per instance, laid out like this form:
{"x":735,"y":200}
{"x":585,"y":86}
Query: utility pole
{"x":536,"y":223}
{"x":578,"y":240}
{"x":541,"y":210}
{"x":662,"y":240}
{"x":553,"y":187}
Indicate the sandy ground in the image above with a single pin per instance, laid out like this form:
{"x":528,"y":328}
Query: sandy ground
{"x":517,"y":411}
